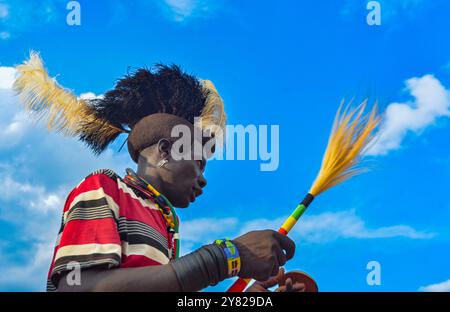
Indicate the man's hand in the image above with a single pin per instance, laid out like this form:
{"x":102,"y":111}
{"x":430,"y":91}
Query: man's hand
{"x":275,"y":280}
{"x":263,"y":253}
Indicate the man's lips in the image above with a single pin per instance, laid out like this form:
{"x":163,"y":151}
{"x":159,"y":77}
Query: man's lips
{"x":194,"y":194}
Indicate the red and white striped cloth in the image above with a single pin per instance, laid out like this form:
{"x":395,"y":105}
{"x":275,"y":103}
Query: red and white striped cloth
{"x":108,"y":224}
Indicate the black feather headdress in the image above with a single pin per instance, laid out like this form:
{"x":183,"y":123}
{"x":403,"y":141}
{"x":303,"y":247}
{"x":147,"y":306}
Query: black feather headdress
{"x":98,"y":122}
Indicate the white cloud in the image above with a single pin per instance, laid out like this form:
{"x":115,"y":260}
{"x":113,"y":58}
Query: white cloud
{"x":7,"y":77}
{"x":439,"y":287}
{"x":4,"y":10}
{"x":30,"y":275}
{"x":5,"y":35}
{"x":202,"y":229}
{"x":35,"y":213}
{"x":14,"y":130}
{"x":13,"y":120}
{"x":18,"y":16}
{"x":389,"y":8}
{"x":90,"y":96}
{"x":315,"y":229}
{"x":37,"y":171}
{"x":331,"y":226}
{"x":432,"y":100}
{"x":182,"y":10}
{"x":35,"y":198}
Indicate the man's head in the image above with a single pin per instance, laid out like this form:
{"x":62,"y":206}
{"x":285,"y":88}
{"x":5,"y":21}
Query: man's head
{"x":180,"y":180}
{"x":152,"y":104}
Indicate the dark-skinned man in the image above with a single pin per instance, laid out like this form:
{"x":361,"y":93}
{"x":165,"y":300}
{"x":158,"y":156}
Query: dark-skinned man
{"x":122,"y":232}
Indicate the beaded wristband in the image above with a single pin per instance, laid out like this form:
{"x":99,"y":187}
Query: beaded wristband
{"x":233,"y":259}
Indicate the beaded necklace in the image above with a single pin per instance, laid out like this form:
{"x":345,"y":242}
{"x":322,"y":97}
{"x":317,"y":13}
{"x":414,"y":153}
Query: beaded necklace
{"x":161,"y":202}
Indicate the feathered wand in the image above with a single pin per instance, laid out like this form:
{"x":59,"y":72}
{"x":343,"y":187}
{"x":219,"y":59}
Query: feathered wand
{"x":351,"y":133}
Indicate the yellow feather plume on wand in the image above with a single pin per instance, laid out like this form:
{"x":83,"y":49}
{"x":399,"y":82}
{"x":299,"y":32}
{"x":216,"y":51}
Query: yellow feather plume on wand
{"x":350,"y":136}
{"x":65,"y":113}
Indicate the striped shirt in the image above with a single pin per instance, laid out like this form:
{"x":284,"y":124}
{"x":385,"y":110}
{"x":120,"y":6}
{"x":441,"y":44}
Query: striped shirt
{"x":107,"y":224}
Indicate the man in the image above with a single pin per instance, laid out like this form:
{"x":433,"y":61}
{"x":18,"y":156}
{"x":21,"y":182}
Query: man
{"x":122,"y":233}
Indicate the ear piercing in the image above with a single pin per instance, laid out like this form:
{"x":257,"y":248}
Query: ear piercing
{"x":162,"y":162}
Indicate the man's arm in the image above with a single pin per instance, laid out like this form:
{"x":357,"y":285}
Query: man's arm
{"x":150,"y":278}
{"x":204,"y":267}
{"x":261,"y":253}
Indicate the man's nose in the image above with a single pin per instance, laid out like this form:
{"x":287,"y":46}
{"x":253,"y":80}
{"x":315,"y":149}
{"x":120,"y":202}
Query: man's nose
{"x":202,"y":181}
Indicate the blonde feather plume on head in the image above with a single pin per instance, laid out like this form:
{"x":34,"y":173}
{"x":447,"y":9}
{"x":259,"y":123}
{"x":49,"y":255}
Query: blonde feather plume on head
{"x":213,"y":115}
{"x":351,"y":134}
{"x":44,"y":97}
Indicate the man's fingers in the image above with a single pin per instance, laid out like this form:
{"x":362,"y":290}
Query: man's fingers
{"x":287,"y":244}
{"x":279,"y":276}
{"x":280,"y":255}
{"x":257,"y":287}
{"x":272,"y":281}
{"x":288,"y":284}
{"x":282,"y":258}
{"x":276,"y":269}
{"x":280,"y":273}
{"x":298,"y":287}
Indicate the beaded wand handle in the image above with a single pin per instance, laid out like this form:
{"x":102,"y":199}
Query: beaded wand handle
{"x":240,"y":284}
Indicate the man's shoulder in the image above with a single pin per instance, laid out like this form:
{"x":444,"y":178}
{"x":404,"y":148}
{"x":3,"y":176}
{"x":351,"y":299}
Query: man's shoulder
{"x":106,"y":172}
{"x":93,"y":187}
{"x":99,"y":177}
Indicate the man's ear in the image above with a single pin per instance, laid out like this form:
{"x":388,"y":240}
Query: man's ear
{"x":164,"y":146}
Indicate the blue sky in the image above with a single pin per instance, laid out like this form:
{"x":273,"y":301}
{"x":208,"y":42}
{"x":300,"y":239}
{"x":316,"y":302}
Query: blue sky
{"x":288,"y":65}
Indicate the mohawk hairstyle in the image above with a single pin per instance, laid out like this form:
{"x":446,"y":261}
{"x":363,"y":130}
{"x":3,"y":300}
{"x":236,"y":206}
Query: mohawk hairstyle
{"x":163,"y":89}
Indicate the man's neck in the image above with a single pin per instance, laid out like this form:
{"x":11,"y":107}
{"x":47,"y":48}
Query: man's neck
{"x":155,"y":181}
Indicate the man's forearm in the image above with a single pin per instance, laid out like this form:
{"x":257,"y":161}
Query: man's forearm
{"x":193,"y":272}
{"x":151,"y":278}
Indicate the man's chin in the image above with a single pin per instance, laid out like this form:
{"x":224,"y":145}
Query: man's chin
{"x":184,"y":205}
{"x":181,"y":204}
